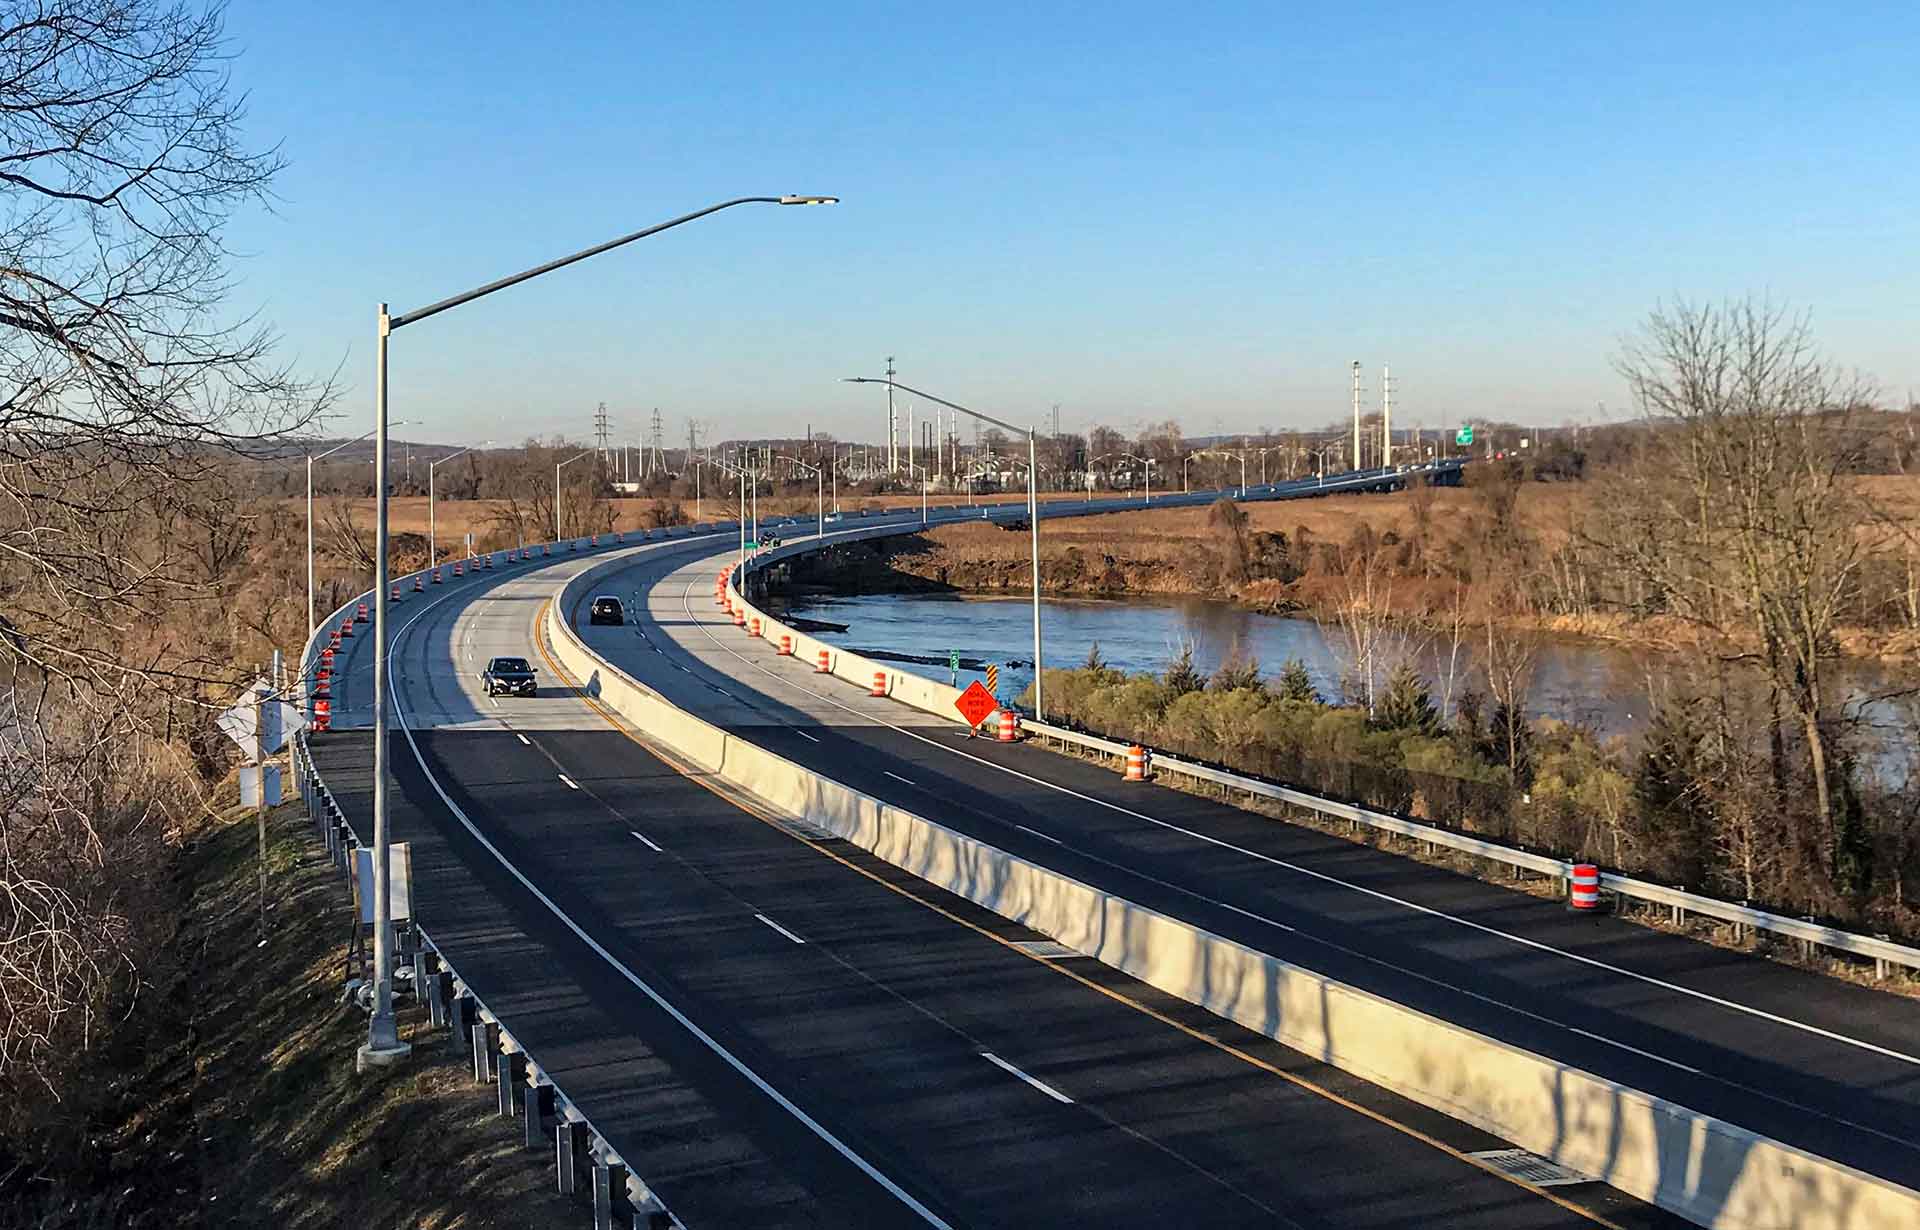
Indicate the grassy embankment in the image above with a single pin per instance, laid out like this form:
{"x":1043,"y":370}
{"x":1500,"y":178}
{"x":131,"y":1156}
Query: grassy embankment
{"x":243,"y":1108}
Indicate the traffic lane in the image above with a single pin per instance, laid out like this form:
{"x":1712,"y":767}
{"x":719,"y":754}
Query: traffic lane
{"x":1199,"y":1102}
{"x":1817,"y":1102}
{"x":815,"y":1183}
{"x":700,"y":1147}
{"x":1752,"y":1074}
{"x":901,"y":1087}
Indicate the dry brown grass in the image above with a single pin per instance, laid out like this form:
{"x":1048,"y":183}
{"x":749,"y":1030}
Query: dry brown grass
{"x":252,"y":1114}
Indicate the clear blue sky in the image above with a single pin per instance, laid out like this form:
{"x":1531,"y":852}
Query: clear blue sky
{"x":1204,"y":212}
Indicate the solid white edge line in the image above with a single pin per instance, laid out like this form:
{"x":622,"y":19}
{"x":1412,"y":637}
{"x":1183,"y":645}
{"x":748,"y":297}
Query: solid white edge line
{"x":682,"y":1019}
{"x":804,"y":735}
{"x":523,"y":738}
{"x":647,"y":842}
{"x":777,"y":927}
{"x":1524,"y":941}
{"x":1042,"y":1086}
{"x":896,"y":777}
{"x":1042,"y":836}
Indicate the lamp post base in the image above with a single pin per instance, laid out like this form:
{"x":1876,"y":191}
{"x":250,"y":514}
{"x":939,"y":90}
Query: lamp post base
{"x":383,"y":1047}
{"x":371,"y":1056}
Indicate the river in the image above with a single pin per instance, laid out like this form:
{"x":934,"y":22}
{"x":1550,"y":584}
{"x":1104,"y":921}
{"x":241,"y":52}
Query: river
{"x":1602,"y":687}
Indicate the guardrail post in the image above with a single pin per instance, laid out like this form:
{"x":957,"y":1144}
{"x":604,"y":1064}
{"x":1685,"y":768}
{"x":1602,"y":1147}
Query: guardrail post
{"x":486,"y":1037}
{"x":611,"y":1208}
{"x":539,"y":1117}
{"x":439,"y":991}
{"x":460,"y":1021}
{"x":572,"y":1154}
{"x":512,"y":1071}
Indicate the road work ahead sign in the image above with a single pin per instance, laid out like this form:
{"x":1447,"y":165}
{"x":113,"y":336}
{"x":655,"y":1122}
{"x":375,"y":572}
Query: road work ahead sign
{"x":976,"y":704}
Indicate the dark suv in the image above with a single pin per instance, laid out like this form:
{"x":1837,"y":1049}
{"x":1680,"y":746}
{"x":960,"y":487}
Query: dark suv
{"x":510,"y":675}
{"x":606,"y":610}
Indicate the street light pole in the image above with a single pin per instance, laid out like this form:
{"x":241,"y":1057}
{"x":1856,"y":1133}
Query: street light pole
{"x":1033,"y":509}
{"x":556,"y":490}
{"x":383,"y":1045}
{"x":312,"y":620}
{"x":433,"y":543}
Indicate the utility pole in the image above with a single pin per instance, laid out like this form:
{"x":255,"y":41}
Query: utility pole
{"x":1356,"y":414}
{"x":893,"y":427}
{"x":1386,"y":415}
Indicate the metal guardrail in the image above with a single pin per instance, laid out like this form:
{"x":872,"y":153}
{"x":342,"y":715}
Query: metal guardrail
{"x":1884,"y":952}
{"x":585,"y":1162}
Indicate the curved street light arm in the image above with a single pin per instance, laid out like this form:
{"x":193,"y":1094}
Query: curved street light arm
{"x":434,"y":309}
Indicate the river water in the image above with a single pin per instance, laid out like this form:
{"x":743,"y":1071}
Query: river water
{"x":1601,"y":687}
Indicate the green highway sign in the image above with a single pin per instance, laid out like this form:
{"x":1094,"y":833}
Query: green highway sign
{"x":1464,"y":435}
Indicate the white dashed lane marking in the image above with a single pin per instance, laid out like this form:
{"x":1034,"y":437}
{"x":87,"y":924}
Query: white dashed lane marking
{"x":648,"y":843}
{"x":571,"y":784}
{"x":1042,"y":1086}
{"x":777,"y":927}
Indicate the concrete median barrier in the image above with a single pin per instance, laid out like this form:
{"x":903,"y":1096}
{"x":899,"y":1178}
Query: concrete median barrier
{"x":1711,"y":1172}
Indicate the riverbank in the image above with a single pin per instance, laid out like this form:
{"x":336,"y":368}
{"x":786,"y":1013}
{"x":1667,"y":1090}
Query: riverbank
{"x":1424,"y":558}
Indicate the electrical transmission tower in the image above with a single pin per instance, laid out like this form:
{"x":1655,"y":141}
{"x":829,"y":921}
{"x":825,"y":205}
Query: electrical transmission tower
{"x":600,"y":430}
{"x":653,"y":461}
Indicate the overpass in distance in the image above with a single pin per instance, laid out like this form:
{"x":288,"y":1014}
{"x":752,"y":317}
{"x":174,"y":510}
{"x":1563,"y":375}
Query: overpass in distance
{"x":917,"y":1060}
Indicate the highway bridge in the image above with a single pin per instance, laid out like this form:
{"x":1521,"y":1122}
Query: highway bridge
{"x":777,"y":1028}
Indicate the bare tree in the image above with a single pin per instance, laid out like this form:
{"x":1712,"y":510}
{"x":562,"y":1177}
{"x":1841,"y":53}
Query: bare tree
{"x":1741,"y":516}
{"x":120,"y":373}
{"x":1508,"y":662}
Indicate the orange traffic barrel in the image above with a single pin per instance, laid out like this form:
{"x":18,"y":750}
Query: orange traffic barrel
{"x":322,"y":712}
{"x":754,"y":630}
{"x":345,"y":630}
{"x":786,"y":645}
{"x":825,"y":666}
{"x":489,"y":559}
{"x":1136,"y":763}
{"x":1009,"y":726}
{"x":459,"y":568}
{"x":1583,"y":892}
{"x":396,"y":593}
{"x":322,"y":686}
{"x":546,"y":548}
{"x":740,"y":616}
{"x":879,"y":684}
{"x":361,"y":617}
{"x":418,"y":585}
{"x":594,"y":541}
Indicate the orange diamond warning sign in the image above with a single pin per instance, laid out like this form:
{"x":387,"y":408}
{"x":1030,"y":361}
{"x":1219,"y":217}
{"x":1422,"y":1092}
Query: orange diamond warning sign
{"x":976,"y":704}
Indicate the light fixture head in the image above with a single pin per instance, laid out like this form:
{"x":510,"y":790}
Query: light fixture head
{"x":791,"y":199}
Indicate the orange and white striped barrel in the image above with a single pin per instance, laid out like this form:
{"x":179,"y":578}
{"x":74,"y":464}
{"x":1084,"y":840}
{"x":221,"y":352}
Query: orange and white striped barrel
{"x":1009,"y":726}
{"x":753,"y":626}
{"x":418,"y":584}
{"x":1583,"y":887}
{"x":879,"y":684}
{"x":345,"y":630}
{"x":361,"y":616}
{"x":786,"y":645}
{"x":436,"y":576}
{"x":1136,"y":763}
{"x":546,"y":548}
{"x":594,"y":541}
{"x":322,"y":684}
{"x":459,"y":568}
{"x":824,"y":666}
{"x":488,"y":558}
{"x":322,"y":713}
{"x":740,"y":617}
{"x":395,"y":596}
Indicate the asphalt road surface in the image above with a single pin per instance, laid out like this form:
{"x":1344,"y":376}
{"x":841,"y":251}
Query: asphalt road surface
{"x":775,"y":1029}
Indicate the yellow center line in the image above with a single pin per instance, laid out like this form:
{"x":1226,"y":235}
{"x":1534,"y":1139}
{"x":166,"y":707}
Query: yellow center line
{"x":752,"y":808}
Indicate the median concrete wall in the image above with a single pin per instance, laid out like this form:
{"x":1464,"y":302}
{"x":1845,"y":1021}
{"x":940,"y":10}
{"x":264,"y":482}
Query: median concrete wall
{"x":1711,"y":1172}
